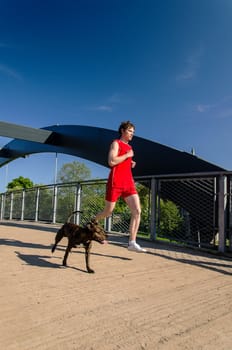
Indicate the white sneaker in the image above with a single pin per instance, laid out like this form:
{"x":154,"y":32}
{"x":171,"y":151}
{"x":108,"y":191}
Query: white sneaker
{"x":135,"y":247}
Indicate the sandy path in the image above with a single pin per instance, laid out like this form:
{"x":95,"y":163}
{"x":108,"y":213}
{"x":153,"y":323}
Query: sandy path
{"x":169,"y":298}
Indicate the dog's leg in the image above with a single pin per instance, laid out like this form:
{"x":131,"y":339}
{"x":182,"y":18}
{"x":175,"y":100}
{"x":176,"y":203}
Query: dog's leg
{"x":54,"y":247}
{"x":87,"y":253}
{"x":58,"y":238}
{"x":67,"y":251}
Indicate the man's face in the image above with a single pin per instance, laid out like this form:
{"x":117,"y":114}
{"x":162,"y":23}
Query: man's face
{"x":128,"y":133}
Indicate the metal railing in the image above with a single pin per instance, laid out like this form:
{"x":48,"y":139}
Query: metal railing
{"x":189,"y":209}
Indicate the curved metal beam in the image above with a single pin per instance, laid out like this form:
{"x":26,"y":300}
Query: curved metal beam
{"x":24,"y":132}
{"x":92,"y":143}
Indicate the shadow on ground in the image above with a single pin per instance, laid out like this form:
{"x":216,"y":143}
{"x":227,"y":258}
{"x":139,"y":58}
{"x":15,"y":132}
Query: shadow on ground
{"x":211,"y":261}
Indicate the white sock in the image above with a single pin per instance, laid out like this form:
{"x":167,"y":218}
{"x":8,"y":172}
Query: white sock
{"x":132,"y":242}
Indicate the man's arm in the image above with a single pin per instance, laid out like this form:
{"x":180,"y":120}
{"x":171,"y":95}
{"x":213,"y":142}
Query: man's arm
{"x":113,"y":158}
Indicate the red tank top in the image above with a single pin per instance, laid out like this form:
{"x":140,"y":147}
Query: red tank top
{"x":121,"y":174}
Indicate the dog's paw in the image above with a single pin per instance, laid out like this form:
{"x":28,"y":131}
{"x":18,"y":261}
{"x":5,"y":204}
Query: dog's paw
{"x":90,"y":270}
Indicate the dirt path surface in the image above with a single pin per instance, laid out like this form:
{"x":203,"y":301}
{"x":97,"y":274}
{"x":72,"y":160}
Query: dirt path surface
{"x":168,"y":298}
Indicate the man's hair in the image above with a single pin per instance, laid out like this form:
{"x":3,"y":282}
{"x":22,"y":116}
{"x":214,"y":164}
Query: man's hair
{"x":125,"y":125}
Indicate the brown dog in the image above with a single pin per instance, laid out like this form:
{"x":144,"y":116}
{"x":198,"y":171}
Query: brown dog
{"x":77,"y":235}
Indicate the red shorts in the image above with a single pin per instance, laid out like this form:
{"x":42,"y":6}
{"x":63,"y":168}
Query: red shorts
{"x":113,"y":193}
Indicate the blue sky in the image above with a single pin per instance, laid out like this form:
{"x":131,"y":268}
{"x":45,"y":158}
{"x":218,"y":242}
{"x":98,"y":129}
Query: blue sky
{"x":166,"y":65}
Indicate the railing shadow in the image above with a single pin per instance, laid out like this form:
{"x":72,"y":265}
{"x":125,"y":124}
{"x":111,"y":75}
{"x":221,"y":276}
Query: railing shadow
{"x":213,"y":261}
{"x":32,"y":226}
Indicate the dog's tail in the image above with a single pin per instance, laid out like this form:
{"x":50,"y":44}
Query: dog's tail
{"x":74,"y":212}
{"x":60,"y":232}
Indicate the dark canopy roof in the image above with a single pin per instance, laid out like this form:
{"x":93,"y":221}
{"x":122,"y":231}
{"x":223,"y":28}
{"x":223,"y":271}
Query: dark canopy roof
{"x":92,"y":143}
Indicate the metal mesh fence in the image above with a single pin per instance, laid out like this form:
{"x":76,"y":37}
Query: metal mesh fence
{"x":6,"y":205}
{"x":29,"y":212}
{"x":179,"y":209}
{"x":92,"y":202}
{"x":65,"y":204}
{"x":186,"y":210}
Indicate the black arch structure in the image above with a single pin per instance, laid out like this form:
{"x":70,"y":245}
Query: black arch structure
{"x":92,"y":143}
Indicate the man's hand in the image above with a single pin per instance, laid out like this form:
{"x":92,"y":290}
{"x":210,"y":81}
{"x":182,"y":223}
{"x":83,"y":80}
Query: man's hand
{"x":130,"y":153}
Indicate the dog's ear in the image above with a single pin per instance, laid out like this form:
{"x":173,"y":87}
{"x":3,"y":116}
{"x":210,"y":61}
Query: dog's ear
{"x":94,"y":221}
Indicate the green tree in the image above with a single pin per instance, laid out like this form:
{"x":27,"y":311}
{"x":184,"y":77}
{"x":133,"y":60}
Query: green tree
{"x":70,"y":172}
{"x":170,"y":218}
{"x":73,"y":172}
{"x":19,"y":184}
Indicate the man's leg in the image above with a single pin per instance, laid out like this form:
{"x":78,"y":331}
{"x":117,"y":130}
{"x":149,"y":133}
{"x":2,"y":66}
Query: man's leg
{"x":133,"y":203}
{"x":107,"y":211}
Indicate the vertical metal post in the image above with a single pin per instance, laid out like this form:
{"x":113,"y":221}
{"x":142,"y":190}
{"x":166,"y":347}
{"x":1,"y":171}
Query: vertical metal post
{"x":222,"y":199}
{"x":37,"y":204}
{"x":54,"y":204}
{"x":153,"y":209}
{"x":11,"y":205}
{"x":229,"y":191}
{"x":2,"y":205}
{"x":23,"y":205}
{"x":215,"y":218}
{"x":108,"y":224}
{"x":78,"y":204}
{"x":227,"y":212}
{"x":55,"y":173}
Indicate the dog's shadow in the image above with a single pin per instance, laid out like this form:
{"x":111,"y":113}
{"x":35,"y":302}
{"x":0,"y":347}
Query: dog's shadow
{"x":37,"y":260}
{"x":42,"y":260}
